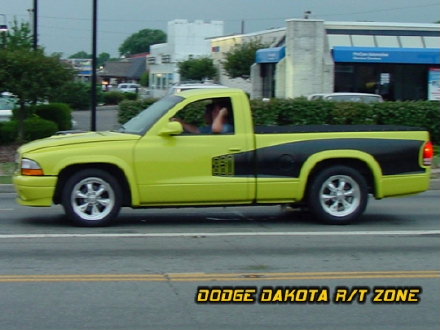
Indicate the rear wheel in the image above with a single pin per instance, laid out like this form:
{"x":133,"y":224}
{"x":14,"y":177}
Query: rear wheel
{"x":91,"y":197}
{"x":338,"y":195}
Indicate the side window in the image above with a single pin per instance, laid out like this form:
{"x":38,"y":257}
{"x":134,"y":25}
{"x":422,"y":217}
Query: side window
{"x":210,"y":116}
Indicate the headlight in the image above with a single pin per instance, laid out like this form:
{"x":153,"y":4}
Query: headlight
{"x":30,"y":167}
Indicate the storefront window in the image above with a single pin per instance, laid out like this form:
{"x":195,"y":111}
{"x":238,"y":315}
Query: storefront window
{"x":392,"y":81}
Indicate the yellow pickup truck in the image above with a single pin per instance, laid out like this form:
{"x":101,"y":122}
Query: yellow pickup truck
{"x":151,"y":161}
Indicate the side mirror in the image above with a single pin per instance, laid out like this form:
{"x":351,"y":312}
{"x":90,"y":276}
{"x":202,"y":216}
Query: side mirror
{"x":171,"y":128}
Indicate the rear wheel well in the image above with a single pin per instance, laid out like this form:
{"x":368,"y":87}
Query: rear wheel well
{"x":115,"y":171}
{"x":355,"y":164}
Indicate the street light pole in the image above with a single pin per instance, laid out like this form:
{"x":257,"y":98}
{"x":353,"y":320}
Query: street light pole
{"x":4,"y":26}
{"x":94,"y":63}
{"x":3,"y":31}
{"x":35,"y":25}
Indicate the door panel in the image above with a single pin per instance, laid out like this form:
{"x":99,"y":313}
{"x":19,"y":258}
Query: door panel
{"x":189,"y":169}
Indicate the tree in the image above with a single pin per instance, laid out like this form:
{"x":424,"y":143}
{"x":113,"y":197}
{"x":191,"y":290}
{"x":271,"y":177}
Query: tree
{"x":80,"y":55}
{"x":31,"y":76}
{"x":102,"y":58}
{"x":18,"y":37}
{"x":241,"y":57}
{"x":145,"y":79}
{"x":197,"y":69}
{"x":141,"y":41}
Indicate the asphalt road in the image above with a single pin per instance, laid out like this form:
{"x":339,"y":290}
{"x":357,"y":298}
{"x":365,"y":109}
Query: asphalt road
{"x":106,"y":118}
{"x":144,"y":272}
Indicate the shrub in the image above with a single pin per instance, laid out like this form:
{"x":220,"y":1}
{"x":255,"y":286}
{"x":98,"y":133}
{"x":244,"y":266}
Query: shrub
{"x":349,"y":113}
{"x":75,"y":94}
{"x":113,"y":97}
{"x":425,"y":114}
{"x":59,"y":113}
{"x":38,"y":128}
{"x":8,"y":132}
{"x":194,"y":113}
{"x":303,"y":112}
{"x":28,"y":112}
{"x":129,"y":109}
{"x":130,"y":96}
{"x":264,"y":112}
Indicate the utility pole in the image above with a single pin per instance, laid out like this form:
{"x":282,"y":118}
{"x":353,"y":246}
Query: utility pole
{"x":94,"y":63}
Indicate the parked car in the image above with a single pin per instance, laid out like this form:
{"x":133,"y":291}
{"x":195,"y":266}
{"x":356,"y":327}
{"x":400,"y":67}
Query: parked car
{"x":184,"y":87}
{"x":129,"y":87}
{"x":7,"y":103}
{"x":347,"y":97}
{"x":315,"y":97}
{"x":5,"y":114}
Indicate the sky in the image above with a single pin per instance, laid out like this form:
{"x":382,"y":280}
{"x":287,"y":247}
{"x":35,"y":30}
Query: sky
{"x":64,"y":26}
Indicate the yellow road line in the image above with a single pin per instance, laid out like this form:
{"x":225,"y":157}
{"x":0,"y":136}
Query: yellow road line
{"x":204,"y":277}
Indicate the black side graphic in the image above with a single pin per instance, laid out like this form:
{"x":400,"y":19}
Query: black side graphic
{"x":286,"y":160}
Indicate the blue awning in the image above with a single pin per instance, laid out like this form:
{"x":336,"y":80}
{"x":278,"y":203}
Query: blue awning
{"x":386,"y":55}
{"x":270,"y":55}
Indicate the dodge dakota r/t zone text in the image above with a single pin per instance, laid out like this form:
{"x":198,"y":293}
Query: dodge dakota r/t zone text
{"x":160,"y":159}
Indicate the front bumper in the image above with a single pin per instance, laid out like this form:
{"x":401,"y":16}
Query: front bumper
{"x":35,"y":190}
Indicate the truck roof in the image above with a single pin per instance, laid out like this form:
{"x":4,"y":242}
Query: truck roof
{"x":210,"y":92}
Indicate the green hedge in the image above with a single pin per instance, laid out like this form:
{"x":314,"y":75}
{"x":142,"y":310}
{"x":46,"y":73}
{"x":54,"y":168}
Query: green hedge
{"x":129,"y":109}
{"x":38,"y":128}
{"x":59,"y":113}
{"x":42,"y":121}
{"x":425,"y":114}
{"x":8,"y":132}
{"x":74,"y":93}
{"x":34,"y":128}
{"x":113,"y":97}
{"x":116,"y":97}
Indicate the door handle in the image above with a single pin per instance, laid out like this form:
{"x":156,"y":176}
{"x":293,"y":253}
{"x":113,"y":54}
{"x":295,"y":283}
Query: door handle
{"x":235,"y":149}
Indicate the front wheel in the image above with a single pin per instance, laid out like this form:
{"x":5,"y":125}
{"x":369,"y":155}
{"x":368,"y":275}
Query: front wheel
{"x":91,"y":198}
{"x":338,"y":195}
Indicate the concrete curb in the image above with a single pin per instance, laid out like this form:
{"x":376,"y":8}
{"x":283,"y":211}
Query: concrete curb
{"x":9,"y":188}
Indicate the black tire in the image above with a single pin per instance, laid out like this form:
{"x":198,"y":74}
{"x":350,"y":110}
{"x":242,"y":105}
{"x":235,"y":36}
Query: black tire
{"x":91,"y":198}
{"x":337,"y":195}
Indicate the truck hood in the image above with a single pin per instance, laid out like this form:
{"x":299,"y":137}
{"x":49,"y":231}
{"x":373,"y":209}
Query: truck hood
{"x":76,"y":138}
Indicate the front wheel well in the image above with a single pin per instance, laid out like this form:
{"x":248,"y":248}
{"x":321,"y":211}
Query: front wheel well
{"x":114,"y":170}
{"x":355,"y":164}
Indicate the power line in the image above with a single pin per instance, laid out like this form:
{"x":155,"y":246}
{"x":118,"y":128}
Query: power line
{"x":431,"y":4}
{"x":385,"y":9}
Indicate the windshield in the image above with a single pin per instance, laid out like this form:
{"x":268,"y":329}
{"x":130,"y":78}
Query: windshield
{"x":146,"y":119}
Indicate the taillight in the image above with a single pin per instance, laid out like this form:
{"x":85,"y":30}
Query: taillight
{"x":428,"y":153}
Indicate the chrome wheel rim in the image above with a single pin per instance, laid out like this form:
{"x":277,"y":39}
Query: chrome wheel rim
{"x":92,"y":199}
{"x":340,"y":195}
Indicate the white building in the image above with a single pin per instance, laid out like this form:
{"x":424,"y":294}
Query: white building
{"x":221,"y":45}
{"x":400,"y":61}
{"x":397,"y":60}
{"x":184,"y":40}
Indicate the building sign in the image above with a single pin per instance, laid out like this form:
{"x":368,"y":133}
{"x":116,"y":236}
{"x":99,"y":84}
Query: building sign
{"x":434,"y":84}
{"x":386,"y":55}
{"x":370,"y":56}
